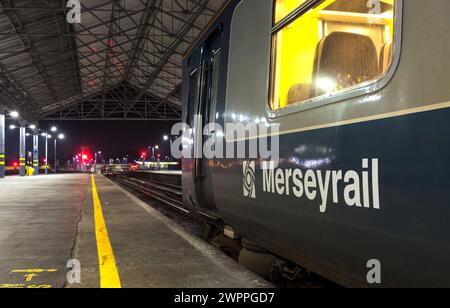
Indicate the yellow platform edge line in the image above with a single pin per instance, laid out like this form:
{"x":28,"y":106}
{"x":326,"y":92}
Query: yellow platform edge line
{"x":109,"y":275}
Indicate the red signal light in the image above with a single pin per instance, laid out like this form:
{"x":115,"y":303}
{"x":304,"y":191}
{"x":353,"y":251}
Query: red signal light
{"x":15,"y":164}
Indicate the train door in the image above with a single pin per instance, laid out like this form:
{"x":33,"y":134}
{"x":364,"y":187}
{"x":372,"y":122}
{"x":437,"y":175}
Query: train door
{"x":203,"y":89}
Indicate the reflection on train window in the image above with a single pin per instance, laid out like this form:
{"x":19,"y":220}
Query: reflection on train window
{"x":336,"y":45}
{"x":192,"y":100}
{"x":215,"y":63}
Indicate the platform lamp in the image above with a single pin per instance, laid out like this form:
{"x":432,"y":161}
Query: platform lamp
{"x":14,"y":114}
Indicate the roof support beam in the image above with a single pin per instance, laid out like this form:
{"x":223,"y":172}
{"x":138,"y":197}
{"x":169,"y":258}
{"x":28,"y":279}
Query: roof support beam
{"x":195,"y":13}
{"x":150,"y":13}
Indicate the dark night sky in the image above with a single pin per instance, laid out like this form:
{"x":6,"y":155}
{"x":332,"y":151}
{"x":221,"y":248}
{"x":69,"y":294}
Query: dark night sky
{"x":114,"y":138}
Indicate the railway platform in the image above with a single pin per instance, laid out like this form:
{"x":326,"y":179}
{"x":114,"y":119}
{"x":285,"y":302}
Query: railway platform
{"x":82,"y":230}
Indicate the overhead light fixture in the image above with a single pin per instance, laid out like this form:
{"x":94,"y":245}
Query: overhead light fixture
{"x":61,"y":136}
{"x":44,"y":134}
{"x":14,"y":114}
{"x":32,"y":126}
{"x":54,"y":129}
{"x":12,"y":127}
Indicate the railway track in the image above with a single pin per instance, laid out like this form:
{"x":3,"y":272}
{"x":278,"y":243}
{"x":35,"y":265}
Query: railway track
{"x":166,"y":190}
{"x":154,"y":186}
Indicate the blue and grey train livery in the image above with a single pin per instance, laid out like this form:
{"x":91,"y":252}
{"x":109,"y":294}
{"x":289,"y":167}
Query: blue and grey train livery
{"x":360,"y":92}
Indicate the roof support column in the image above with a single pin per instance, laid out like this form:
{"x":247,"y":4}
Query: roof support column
{"x":46,"y":153}
{"x":36,"y":154}
{"x":22,"y":158}
{"x":2,"y":145}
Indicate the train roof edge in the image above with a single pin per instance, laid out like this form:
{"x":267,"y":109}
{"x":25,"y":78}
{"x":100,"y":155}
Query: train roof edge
{"x":205,"y":32}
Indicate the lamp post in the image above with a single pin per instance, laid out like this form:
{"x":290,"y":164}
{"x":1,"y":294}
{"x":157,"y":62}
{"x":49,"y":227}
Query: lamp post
{"x":167,"y":138}
{"x":156,"y":147}
{"x":35,"y":149}
{"x":97,"y":154}
{"x":22,"y":144}
{"x":22,"y":150}
{"x":47,"y":136}
{"x":53,"y":129}
{"x":171,"y":140}
{"x":2,"y":144}
{"x":14,"y":115}
{"x":60,"y":137}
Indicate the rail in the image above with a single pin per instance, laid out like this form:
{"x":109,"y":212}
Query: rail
{"x":164,"y":187}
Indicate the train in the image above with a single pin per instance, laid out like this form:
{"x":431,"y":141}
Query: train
{"x":359,"y":93}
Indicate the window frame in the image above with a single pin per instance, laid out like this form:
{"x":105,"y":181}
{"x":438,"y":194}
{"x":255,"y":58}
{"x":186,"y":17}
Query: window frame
{"x":192,"y":106}
{"x":339,"y":96}
{"x":215,"y":54}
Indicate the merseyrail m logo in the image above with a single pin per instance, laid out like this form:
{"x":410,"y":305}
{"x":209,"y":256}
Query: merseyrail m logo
{"x":248,"y":177}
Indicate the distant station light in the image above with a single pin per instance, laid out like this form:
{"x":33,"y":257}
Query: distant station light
{"x":54,"y":129}
{"x":32,"y":126}
{"x":12,"y":127}
{"x":14,"y":114}
{"x":61,"y":136}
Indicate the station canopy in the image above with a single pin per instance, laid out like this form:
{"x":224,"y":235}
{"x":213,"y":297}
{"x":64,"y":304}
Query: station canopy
{"x":122,"y":61}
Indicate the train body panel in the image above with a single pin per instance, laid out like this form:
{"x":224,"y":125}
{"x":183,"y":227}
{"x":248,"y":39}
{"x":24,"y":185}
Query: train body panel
{"x":362,"y":175}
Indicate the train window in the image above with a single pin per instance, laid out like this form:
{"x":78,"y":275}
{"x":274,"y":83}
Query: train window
{"x":214,"y":86}
{"x":331,"y":46}
{"x":285,"y":7}
{"x":192,"y":99}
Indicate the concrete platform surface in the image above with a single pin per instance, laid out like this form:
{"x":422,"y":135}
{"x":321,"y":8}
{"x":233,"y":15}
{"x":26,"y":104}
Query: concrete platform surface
{"x":46,"y":221}
{"x":39,"y":217}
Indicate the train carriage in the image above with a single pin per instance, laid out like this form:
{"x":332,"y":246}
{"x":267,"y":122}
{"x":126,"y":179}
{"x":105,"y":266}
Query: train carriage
{"x":359,"y":91}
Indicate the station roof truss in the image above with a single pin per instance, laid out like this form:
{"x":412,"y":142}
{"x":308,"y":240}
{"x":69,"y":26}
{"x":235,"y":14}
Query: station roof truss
{"x":123,"y":61}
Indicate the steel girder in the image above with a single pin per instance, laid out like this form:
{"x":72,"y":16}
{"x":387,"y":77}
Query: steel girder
{"x":48,"y":66}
